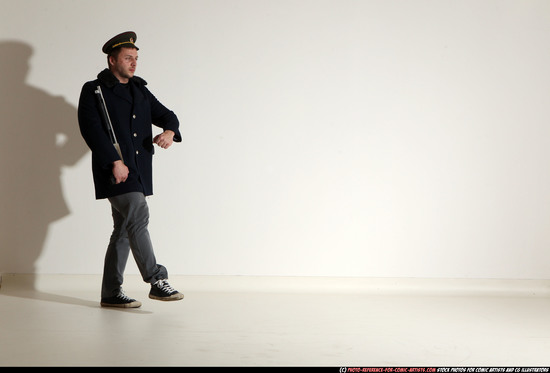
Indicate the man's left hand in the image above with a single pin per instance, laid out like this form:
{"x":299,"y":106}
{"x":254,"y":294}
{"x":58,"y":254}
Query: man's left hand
{"x":165,"y":139}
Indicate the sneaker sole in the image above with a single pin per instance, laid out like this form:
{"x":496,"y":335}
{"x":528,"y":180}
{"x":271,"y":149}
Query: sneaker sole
{"x":122,"y":305}
{"x":178,"y":296}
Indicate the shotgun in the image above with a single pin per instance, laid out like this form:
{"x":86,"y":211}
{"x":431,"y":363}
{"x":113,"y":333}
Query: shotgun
{"x":107,"y":120}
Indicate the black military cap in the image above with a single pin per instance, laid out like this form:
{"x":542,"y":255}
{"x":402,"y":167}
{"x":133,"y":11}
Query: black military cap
{"x":126,"y":39}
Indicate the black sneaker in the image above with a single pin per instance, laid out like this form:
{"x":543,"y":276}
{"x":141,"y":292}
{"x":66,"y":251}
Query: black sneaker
{"x":161,"y":290}
{"x":121,"y":301}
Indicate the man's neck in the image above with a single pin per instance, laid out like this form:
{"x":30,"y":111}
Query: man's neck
{"x":120,"y":78}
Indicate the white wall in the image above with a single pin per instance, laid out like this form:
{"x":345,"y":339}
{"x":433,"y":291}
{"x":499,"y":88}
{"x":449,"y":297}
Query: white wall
{"x":321,"y":137}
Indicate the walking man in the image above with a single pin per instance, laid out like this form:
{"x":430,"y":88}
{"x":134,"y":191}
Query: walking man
{"x":125,"y":177}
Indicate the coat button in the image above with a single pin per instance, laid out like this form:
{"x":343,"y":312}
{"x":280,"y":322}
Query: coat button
{"x":134,"y":116}
{"x":137,"y":151}
{"x":135,"y":134}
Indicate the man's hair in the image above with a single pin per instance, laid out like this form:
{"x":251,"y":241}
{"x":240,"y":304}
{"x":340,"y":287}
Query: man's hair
{"x":114,"y":53}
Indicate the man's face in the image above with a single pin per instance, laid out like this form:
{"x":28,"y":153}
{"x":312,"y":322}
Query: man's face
{"x":124,"y":66}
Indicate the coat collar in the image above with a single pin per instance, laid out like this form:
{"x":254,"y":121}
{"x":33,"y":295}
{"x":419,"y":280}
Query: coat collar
{"x":107,"y":78}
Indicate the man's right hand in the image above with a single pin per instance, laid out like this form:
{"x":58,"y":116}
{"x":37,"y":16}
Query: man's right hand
{"x":120,"y":172}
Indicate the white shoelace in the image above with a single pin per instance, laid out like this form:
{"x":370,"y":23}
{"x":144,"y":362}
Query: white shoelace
{"x":123,"y":296}
{"x":165,"y":286}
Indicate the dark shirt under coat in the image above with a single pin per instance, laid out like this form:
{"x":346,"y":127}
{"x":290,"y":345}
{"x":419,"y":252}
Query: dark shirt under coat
{"x":132,"y":109}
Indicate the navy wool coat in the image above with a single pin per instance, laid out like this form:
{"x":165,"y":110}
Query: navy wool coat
{"x":133,"y":110}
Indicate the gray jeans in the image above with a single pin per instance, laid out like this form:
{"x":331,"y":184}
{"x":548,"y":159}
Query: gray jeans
{"x":130,"y":218}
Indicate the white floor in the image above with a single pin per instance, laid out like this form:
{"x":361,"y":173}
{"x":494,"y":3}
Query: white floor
{"x":252,"y":321}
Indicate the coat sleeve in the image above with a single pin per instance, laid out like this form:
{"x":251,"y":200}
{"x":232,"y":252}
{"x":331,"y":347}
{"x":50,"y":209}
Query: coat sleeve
{"x":93,"y":129}
{"x":163,"y":117}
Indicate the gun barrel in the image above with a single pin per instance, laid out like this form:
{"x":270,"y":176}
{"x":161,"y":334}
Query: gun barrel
{"x":107,"y":119}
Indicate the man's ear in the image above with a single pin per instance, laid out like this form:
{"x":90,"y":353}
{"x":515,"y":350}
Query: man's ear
{"x":111,"y":60}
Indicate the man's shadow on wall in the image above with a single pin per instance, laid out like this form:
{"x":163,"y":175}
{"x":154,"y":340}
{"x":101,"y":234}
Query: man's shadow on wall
{"x":38,"y":136}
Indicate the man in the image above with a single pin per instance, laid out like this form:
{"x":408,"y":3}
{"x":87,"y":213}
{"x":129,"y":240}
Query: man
{"x":125,"y":179}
